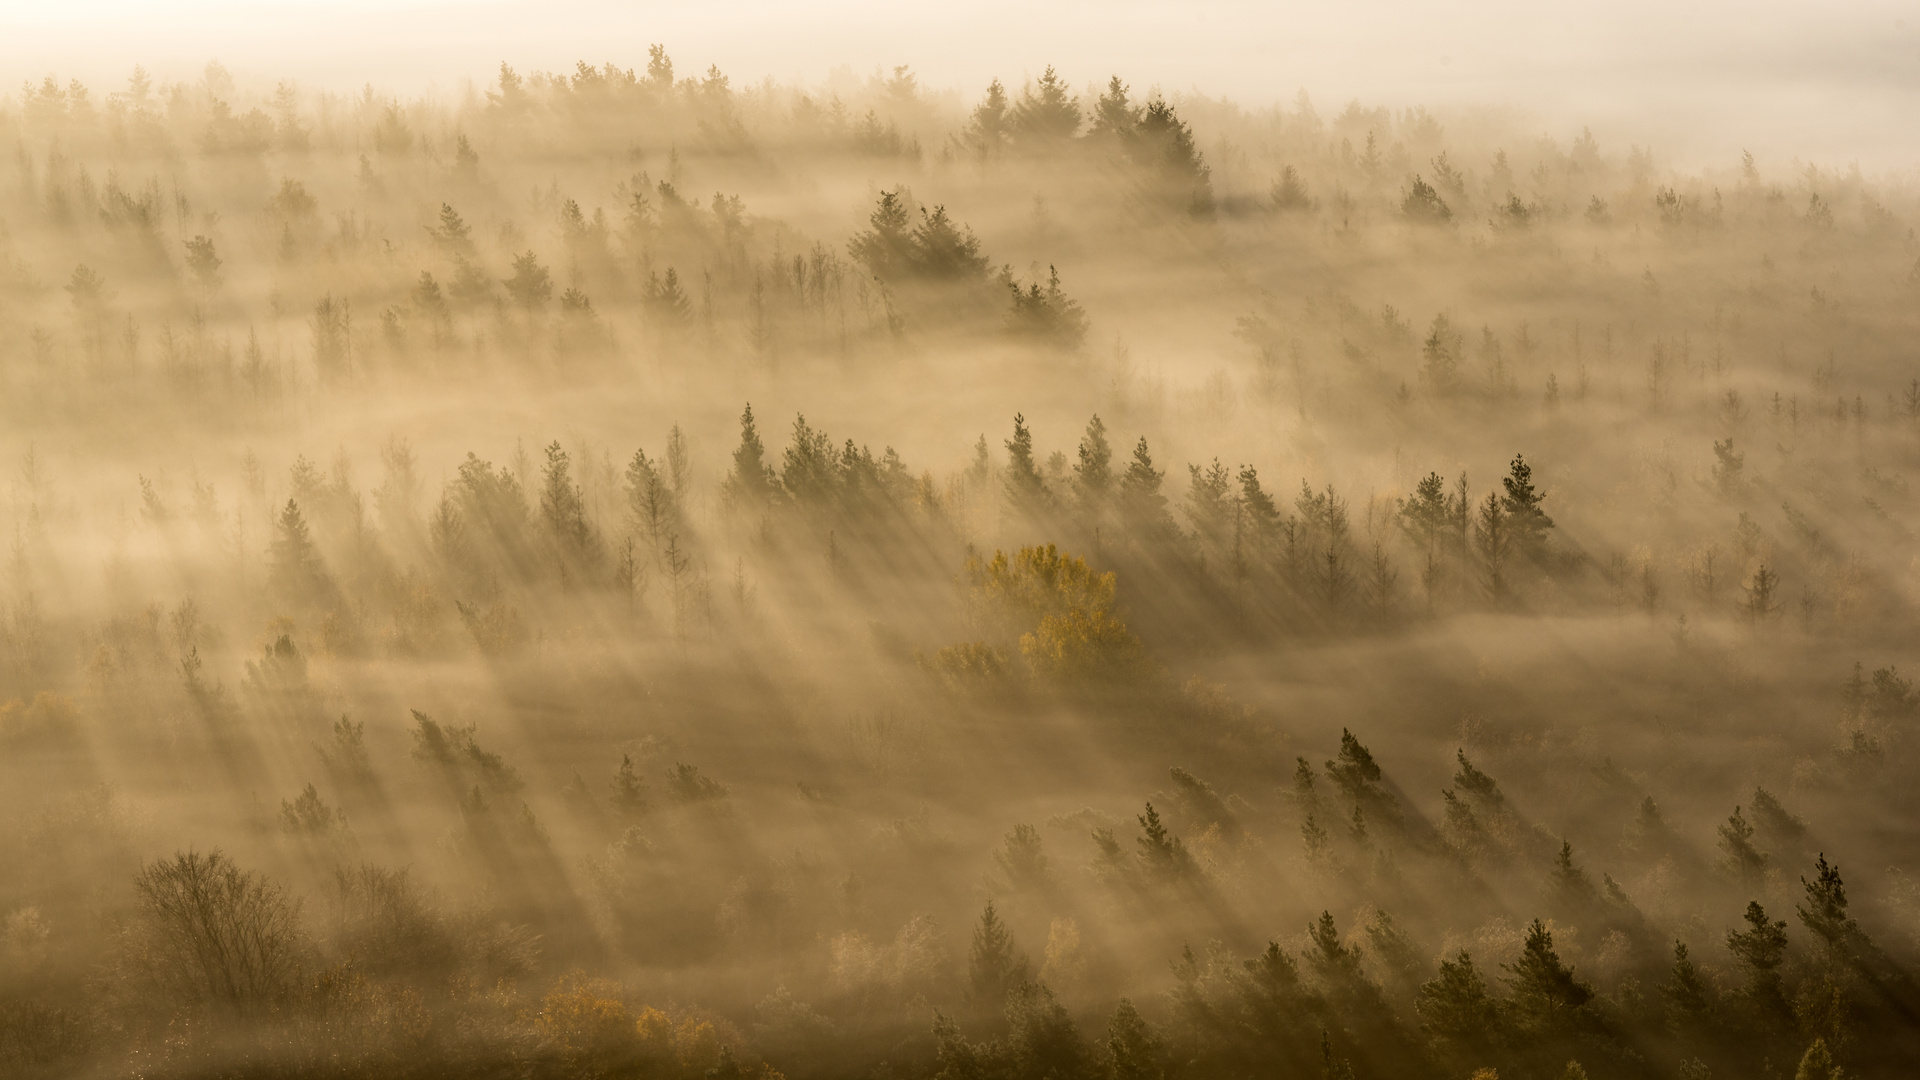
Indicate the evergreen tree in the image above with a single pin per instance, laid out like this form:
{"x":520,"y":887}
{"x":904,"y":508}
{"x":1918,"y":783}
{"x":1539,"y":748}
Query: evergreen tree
{"x":1093,"y":473}
{"x":1211,"y":507}
{"x":531,"y":286}
{"x":886,"y":247}
{"x":1142,"y":508}
{"x":563,"y":509}
{"x":1739,"y":858}
{"x":1026,"y":490}
{"x":940,"y":250}
{"x":1688,"y":995}
{"x":1526,"y":523}
{"x":1456,"y":1011}
{"x":293,"y":567}
{"x":1544,"y":995}
{"x":990,"y":126}
{"x":1134,"y":1052}
{"x":1114,"y":118}
{"x":751,"y":484}
{"x":1760,"y":949}
{"x":1047,"y":114}
{"x":1424,"y":206}
{"x":629,"y":792}
{"x":1825,"y":912}
{"x":994,"y":966}
{"x":651,"y":502}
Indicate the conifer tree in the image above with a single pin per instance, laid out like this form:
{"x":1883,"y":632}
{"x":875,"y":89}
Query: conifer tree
{"x":1047,"y":114}
{"x":1114,"y":118}
{"x":886,"y":247}
{"x":1688,"y":995}
{"x":651,"y":502}
{"x":1739,"y":858}
{"x":1760,"y":949}
{"x":1134,"y":1052}
{"x":563,"y":509}
{"x":994,"y":965}
{"x":1526,"y":523}
{"x":531,"y":286}
{"x":1545,"y":996}
{"x":751,"y":484}
{"x":1026,"y":490}
{"x":292,"y":564}
{"x":1455,"y":1009}
{"x":1093,"y":473}
{"x":1142,"y":507}
{"x":990,"y":126}
{"x":1825,"y":912}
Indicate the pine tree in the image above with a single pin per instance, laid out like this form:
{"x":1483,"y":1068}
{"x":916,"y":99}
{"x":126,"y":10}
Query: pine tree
{"x":1133,"y":1051}
{"x":651,"y":502}
{"x":751,"y":485}
{"x":1455,"y":1008}
{"x":1211,"y":507}
{"x":292,"y":564}
{"x":1759,"y":951}
{"x":1114,"y":119}
{"x":1046,"y":114}
{"x":629,"y":792}
{"x":1142,"y":507}
{"x":886,"y":248}
{"x":1026,"y":490}
{"x":1162,"y":856}
{"x":531,"y":286}
{"x":1093,"y":473}
{"x":1526,"y":523}
{"x":994,"y":966}
{"x":1545,"y":996}
{"x":1739,"y":858}
{"x":1689,"y":997}
{"x":990,"y":126}
{"x":1825,"y":912}
{"x":563,"y":509}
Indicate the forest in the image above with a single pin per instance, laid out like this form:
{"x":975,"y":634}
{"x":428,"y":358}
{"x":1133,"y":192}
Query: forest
{"x":620,"y":573}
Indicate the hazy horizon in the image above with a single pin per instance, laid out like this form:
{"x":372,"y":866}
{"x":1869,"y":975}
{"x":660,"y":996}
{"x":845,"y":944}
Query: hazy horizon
{"x":1829,"y":85}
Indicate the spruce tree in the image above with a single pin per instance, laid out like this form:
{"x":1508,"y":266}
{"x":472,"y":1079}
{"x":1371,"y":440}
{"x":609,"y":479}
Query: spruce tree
{"x":1760,"y":949}
{"x":751,"y":484}
{"x":994,"y":966}
{"x":1026,"y":490}
{"x":1142,"y":507}
{"x":1093,"y":473}
{"x":1545,"y":996}
{"x":1526,"y":523}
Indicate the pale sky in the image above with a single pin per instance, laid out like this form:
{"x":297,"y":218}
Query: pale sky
{"x":1832,"y":83}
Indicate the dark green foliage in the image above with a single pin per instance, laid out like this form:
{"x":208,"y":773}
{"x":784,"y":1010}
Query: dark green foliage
{"x":1824,"y":913}
{"x":1163,"y":857}
{"x":1027,"y":494}
{"x":1134,"y":1052}
{"x":1457,"y":1012}
{"x":1143,"y":510}
{"x":1093,"y":482}
{"x":1759,"y":950}
{"x":995,"y":967}
{"x":1423,"y":205}
{"x":751,"y":483}
{"x":1046,"y":316}
{"x":1739,"y":858}
{"x":1526,"y":523}
{"x":1545,"y":997}
{"x":1688,"y":995}
{"x":531,"y":286}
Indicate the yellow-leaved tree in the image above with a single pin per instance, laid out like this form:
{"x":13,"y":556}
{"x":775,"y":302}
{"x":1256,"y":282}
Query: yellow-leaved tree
{"x":1062,"y":611}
